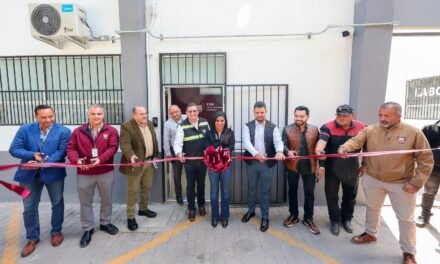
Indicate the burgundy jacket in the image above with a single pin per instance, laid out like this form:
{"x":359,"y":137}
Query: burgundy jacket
{"x":81,"y":143}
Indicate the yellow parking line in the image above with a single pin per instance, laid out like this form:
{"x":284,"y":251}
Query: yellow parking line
{"x":12,"y":237}
{"x":292,"y":241}
{"x":155,"y":242}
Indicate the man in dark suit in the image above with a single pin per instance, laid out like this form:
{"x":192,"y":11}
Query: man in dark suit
{"x":138,"y":144}
{"x":41,"y":141}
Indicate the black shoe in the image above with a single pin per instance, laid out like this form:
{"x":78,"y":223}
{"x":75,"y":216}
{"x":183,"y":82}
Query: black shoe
{"x":423,"y":221}
{"x":214,"y":222}
{"x":202,"y":210}
{"x":179,"y":200}
{"x":148,"y":213}
{"x":334,"y":228}
{"x":347,"y":226}
{"x":109,"y":228}
{"x":86,"y":238}
{"x":225,"y":223}
{"x":264,"y":225}
{"x":247,"y":216}
{"x":131,"y":224}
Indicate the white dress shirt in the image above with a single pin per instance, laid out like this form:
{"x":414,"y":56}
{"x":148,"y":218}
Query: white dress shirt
{"x":169,"y":134}
{"x":259,"y":139}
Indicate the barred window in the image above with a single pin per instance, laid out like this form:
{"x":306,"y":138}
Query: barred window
{"x":423,"y":98}
{"x":193,"y":68}
{"x":67,"y":83}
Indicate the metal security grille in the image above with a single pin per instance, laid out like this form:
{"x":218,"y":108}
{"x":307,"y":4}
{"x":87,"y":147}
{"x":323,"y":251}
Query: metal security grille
{"x":423,"y":98}
{"x":240,"y":100}
{"x":67,"y":83}
{"x":193,"y":68}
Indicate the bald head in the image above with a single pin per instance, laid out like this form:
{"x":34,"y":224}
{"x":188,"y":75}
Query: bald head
{"x":175,"y":112}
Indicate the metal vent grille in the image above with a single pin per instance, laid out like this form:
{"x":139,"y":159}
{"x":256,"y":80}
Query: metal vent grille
{"x":46,"y":20}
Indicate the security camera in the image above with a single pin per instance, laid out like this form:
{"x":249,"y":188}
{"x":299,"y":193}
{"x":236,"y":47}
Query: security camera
{"x":346,"y":33}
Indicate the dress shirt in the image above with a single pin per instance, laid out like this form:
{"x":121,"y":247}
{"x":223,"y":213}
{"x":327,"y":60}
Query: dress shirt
{"x":169,"y":134}
{"x":44,"y":135}
{"x":259,"y":139}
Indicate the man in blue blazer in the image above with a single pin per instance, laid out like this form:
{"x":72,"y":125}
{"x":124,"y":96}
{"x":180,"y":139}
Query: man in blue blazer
{"x":41,"y":141}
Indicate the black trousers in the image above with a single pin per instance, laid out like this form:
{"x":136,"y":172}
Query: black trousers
{"x":195,"y":175}
{"x":309,"y":181}
{"x":349,"y":192}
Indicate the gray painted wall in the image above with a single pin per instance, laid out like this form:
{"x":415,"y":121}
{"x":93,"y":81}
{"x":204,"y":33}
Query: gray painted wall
{"x":372,"y":47}
{"x":133,"y":55}
{"x":417,"y":13}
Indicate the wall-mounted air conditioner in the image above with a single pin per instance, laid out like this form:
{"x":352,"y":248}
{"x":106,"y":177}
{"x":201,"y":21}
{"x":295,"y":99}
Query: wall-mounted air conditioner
{"x":56,"y":22}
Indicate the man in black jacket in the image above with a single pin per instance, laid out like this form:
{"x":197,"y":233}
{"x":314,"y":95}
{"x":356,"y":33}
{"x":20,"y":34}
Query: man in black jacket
{"x":432,"y":133}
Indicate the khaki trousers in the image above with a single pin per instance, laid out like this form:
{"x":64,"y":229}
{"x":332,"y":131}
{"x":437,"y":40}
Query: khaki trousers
{"x":403,"y":205}
{"x":142,"y":182}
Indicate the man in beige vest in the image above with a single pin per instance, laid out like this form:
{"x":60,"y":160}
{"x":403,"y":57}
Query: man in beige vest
{"x":138,"y":144}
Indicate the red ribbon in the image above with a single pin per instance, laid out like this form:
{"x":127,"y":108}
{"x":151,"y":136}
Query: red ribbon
{"x":23,"y":192}
{"x":217,"y":161}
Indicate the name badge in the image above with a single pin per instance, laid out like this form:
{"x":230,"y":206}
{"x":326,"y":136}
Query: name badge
{"x":94,"y":152}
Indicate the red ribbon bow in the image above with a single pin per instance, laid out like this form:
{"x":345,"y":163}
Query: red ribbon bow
{"x":217,"y":160}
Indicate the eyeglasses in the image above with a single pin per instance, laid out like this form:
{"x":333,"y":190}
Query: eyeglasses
{"x":192,"y":111}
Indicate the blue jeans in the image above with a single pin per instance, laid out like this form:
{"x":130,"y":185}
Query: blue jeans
{"x":222,"y":178}
{"x":259,"y":174}
{"x":309,"y":181}
{"x":30,"y":214}
{"x":195,"y":175}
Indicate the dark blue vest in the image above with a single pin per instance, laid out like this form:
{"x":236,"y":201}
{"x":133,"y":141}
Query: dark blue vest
{"x":268,"y":141}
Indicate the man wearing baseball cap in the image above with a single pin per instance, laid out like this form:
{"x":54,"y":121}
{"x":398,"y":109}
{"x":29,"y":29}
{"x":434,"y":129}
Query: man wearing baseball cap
{"x":339,"y":171}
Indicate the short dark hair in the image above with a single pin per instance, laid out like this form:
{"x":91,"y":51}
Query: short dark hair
{"x":302,"y":108}
{"x":260,"y":104}
{"x":42,"y":107}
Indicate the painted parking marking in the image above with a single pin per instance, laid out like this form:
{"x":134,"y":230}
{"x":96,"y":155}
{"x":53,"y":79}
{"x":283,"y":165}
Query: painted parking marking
{"x":163,"y":238}
{"x":298,"y":244}
{"x":12,"y":238}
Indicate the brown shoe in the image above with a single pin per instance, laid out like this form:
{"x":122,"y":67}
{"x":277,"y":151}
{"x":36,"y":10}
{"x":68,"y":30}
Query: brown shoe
{"x":290,"y":221}
{"x":57,"y":239}
{"x":363,"y":238}
{"x":409,"y":258}
{"x":191,"y":215}
{"x":29,"y":248}
{"x":311,"y":225}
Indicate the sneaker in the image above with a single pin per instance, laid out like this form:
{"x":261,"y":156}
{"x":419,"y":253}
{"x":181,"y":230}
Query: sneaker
{"x":290,"y":221}
{"x":311,"y":225}
{"x":422,"y":221}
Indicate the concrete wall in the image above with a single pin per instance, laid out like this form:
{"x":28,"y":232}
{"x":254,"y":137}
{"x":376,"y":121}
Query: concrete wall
{"x":376,"y":54}
{"x":314,"y":67}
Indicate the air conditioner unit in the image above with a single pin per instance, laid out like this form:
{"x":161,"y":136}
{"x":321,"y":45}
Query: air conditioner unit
{"x":54,"y":23}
